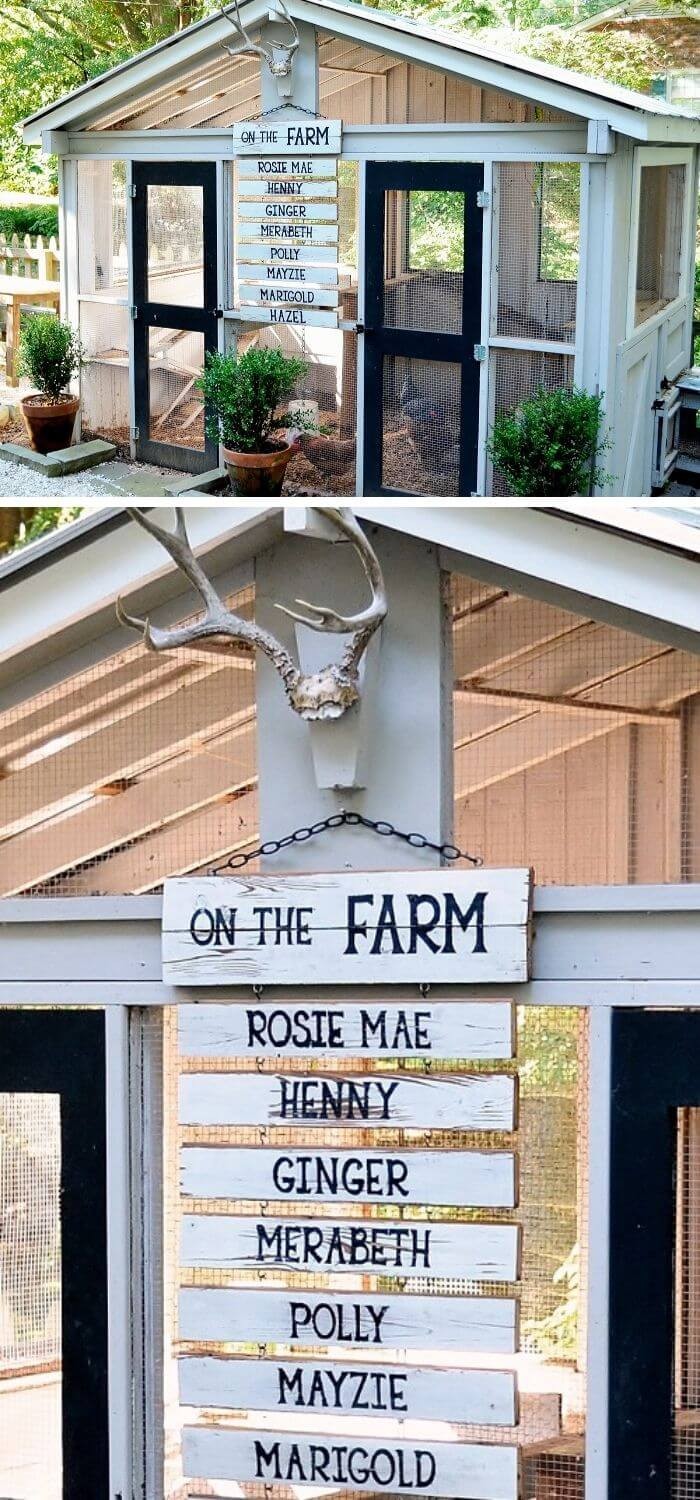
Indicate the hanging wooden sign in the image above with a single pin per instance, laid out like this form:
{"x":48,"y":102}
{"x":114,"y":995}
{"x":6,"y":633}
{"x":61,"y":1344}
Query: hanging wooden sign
{"x":289,"y":255}
{"x":270,"y":294}
{"x":482,"y":1179}
{"x":379,"y":1321}
{"x":427,"y":1102}
{"x":286,"y":166}
{"x":443,"y":926}
{"x":474,"y":1029}
{"x":287,"y":137}
{"x":385,"y":1247}
{"x":289,"y":193}
{"x":407,"y":1392}
{"x":482,"y":1471}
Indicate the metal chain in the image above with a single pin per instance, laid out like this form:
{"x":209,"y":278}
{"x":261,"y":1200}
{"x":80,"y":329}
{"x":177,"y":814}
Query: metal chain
{"x":341,"y":820}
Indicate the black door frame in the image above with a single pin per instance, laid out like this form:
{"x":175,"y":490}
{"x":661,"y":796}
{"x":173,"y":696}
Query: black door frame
{"x":63,"y":1052}
{"x":168,"y":315}
{"x":455,"y":348}
{"x":655,"y":1072}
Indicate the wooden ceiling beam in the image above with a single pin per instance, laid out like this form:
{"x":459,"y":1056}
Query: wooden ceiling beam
{"x":189,"y":844}
{"x":124,"y":748}
{"x":217,"y":769}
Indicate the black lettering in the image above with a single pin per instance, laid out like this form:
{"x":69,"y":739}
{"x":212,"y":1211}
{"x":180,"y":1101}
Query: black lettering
{"x":422,"y":927}
{"x":356,"y":929}
{"x":454,"y":913}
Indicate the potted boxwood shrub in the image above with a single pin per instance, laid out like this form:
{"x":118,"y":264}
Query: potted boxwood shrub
{"x":549,"y":445}
{"x":50,"y":355}
{"x":242,"y":396}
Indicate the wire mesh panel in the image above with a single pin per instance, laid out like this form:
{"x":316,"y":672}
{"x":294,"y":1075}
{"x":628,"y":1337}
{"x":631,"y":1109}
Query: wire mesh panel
{"x":102,"y":248}
{"x":576,"y":743}
{"x":660,"y":238}
{"x":516,"y":374}
{"x":175,"y":407}
{"x":424,"y":273}
{"x":685,"y":1450}
{"x":30,"y":1297}
{"x":422,"y":419}
{"x":139,"y":767}
{"x":538,"y":250}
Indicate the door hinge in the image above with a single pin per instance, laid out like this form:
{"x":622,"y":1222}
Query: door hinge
{"x":135,"y":434}
{"x":133,"y":312}
{"x":483,"y":199}
{"x":480,"y":353}
{"x":132,"y":189}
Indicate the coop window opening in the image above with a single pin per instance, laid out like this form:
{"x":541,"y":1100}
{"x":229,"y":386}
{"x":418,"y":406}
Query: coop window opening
{"x":661,"y":233}
{"x":558,"y":191}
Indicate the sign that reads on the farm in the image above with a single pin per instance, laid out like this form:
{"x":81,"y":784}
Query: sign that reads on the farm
{"x":444,"y":926}
{"x":294,"y":138}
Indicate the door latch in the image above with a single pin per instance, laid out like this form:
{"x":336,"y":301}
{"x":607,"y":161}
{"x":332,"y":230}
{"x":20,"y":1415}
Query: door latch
{"x":483,"y":198}
{"x":480,"y":353}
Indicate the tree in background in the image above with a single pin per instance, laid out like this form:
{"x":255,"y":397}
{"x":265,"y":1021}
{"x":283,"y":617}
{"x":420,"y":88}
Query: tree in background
{"x":20,"y":524}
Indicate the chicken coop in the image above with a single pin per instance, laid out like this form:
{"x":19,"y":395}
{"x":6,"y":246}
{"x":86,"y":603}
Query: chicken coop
{"x":481,"y":226}
{"x":520,"y":1318}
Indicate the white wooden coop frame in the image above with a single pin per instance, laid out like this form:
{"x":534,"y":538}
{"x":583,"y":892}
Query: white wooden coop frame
{"x":602,"y":948}
{"x":407,"y":92}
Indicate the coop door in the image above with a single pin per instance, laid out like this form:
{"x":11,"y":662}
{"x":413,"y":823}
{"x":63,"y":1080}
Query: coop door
{"x":654,"y":1395}
{"x":53,"y":1257}
{"x":175,"y":286}
{"x":423,"y":249}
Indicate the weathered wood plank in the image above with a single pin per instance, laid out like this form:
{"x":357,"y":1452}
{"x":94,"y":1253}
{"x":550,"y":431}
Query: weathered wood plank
{"x":416,"y":927}
{"x":285,"y":166}
{"x":478,"y":1252}
{"x":280,"y":137}
{"x":402,"y":1391}
{"x":461,"y":1102}
{"x":479,"y":1471}
{"x":480,"y":1179}
{"x":486,"y":1325}
{"x":481,"y":1030}
{"x":278,"y":208}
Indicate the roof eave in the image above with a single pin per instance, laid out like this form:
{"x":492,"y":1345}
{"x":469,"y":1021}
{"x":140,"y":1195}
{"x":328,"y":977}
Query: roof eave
{"x":525,"y":77}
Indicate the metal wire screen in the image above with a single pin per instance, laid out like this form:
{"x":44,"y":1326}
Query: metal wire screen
{"x":30,"y":1297}
{"x":139,"y":767}
{"x":576,"y":743}
{"x":538,"y":246}
{"x":551,"y":1143}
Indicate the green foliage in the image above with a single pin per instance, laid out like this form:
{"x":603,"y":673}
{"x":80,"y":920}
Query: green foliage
{"x":556,"y":1335}
{"x":435,"y":231}
{"x":28,"y":218}
{"x":548,"y":446}
{"x":242,"y":394}
{"x":50,"y":354}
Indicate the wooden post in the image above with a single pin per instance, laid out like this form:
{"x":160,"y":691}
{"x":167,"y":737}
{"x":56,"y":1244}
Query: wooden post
{"x":410,"y":755}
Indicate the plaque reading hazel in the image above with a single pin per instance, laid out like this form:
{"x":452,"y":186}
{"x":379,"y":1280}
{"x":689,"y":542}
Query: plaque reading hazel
{"x":398,"y":926}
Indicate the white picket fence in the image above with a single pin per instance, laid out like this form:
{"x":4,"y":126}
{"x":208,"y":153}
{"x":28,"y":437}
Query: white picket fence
{"x":32,"y":256}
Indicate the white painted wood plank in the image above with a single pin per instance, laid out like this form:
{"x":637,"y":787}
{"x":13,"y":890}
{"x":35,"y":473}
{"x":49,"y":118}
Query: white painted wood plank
{"x":479,"y":1252}
{"x":285,"y":166}
{"x":417,"y":927}
{"x":481,"y":1030}
{"x":305,"y":234}
{"x":482,"y":1325}
{"x":304,"y":1385}
{"x":287,"y":187}
{"x":312,"y":137}
{"x":277,"y":208}
{"x":479,"y":1471}
{"x":461,"y":1102}
{"x":271,"y":293}
{"x":296,"y":255}
{"x":294,"y":275}
{"x":295,"y":315}
{"x":479,"y":1179}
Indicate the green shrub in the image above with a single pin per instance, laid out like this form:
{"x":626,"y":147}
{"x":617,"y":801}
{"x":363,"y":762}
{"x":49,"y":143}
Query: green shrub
{"x":50,"y":354}
{"x":242,"y":393}
{"x":549,"y":445}
{"x":28,"y":218}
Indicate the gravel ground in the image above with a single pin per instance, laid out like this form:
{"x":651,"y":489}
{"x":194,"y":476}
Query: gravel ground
{"x":107,"y":479}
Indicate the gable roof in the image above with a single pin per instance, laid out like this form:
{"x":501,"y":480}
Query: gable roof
{"x":637,"y":115}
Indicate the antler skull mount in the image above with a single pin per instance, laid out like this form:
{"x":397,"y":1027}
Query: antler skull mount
{"x":319,"y":695}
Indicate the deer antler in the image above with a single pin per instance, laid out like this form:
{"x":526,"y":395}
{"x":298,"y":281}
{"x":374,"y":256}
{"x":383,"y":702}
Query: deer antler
{"x":277,"y":55}
{"x":322,"y":695}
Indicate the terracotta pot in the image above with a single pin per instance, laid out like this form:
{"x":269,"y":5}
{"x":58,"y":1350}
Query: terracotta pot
{"x":259,"y":473}
{"x":49,"y":423}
